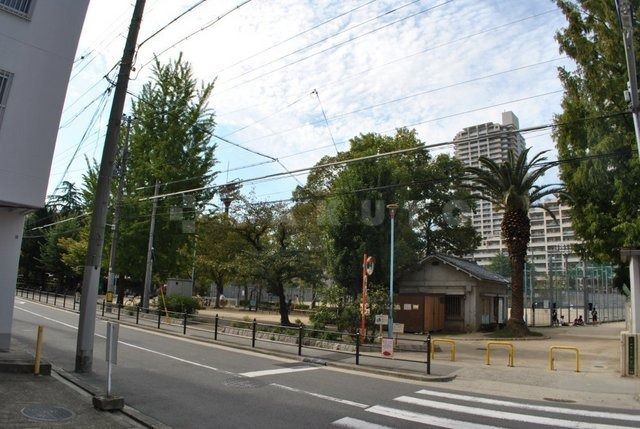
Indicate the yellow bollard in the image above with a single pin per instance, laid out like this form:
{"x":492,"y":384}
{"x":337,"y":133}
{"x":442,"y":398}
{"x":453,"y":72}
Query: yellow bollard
{"x":552,"y":360}
{"x":36,"y":365}
{"x":509,"y":346}
{"x":442,"y":340}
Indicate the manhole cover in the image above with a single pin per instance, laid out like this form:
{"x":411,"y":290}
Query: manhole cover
{"x":567,"y":401}
{"x":244,"y":383}
{"x":46,"y":413}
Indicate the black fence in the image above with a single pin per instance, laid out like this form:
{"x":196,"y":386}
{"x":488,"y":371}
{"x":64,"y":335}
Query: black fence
{"x":302,"y":340}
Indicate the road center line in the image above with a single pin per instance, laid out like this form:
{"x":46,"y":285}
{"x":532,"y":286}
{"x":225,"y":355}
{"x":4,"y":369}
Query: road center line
{"x":277,"y":371}
{"x":548,"y":409}
{"x":321,"y":396}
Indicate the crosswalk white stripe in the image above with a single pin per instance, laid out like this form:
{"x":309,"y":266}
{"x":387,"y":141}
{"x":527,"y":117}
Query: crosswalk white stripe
{"x":426,"y":418}
{"x":504,"y":415}
{"x":351,"y":423}
{"x":545,"y":408}
{"x":278,"y":371}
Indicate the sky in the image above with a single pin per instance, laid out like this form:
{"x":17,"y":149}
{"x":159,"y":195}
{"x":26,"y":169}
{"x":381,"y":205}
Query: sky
{"x":296,"y":79}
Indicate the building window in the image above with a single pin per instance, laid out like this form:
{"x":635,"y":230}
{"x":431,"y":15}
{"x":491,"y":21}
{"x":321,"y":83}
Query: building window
{"x":453,"y":307}
{"x":22,"y":8}
{"x":5,"y":82}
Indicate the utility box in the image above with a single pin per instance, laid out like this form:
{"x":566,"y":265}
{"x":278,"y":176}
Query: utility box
{"x":629,"y":366}
{"x":183,"y":287}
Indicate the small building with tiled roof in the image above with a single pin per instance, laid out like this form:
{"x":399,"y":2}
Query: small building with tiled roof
{"x":451,"y":294}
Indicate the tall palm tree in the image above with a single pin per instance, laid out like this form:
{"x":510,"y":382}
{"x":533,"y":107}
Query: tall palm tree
{"x":511,"y":187}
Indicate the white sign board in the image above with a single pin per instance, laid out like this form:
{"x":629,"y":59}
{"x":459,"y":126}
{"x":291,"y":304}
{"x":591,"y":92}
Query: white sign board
{"x":382,"y":319}
{"x":398,"y":328}
{"x":387,"y":347}
{"x":113,"y":330}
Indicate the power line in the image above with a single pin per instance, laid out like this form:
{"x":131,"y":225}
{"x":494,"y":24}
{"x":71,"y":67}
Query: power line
{"x":406,"y":97}
{"x":177,"y":18}
{"x":304,"y":48}
{"x":295,"y":36}
{"x":337,"y":45}
{"x":324,"y":115}
{"x":206,"y":26}
{"x":380,"y":155}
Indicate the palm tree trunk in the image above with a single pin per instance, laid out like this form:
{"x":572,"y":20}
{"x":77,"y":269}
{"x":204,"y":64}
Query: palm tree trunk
{"x":516,"y":233}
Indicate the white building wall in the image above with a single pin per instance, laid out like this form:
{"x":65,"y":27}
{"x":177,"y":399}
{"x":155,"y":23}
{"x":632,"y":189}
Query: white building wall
{"x":38,"y":51}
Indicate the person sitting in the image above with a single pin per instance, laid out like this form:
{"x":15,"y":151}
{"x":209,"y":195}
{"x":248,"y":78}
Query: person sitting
{"x":578,"y":321}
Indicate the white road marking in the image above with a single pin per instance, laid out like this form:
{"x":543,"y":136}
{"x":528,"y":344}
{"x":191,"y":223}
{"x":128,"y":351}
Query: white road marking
{"x":134,"y":346}
{"x":585,"y":413}
{"x":352,"y":423}
{"x":278,"y":371}
{"x":426,"y":419}
{"x":504,"y":415}
{"x":47,"y":318}
{"x":321,"y":396}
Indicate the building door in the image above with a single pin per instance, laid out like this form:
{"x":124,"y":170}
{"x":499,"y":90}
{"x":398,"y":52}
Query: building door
{"x":434,"y":313}
{"x":411,"y":312}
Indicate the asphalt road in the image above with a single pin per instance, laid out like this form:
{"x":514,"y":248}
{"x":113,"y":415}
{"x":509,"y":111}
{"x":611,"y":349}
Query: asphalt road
{"x":183,"y":383}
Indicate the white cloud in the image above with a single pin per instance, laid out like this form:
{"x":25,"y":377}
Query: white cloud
{"x":371,"y":69}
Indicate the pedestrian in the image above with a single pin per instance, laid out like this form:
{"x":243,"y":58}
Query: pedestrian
{"x":554,"y":318}
{"x":594,"y":316}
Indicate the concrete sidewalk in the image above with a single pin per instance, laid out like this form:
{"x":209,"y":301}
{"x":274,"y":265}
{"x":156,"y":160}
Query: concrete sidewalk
{"x":48,"y":401}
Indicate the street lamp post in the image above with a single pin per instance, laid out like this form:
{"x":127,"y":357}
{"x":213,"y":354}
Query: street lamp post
{"x":392,"y":214}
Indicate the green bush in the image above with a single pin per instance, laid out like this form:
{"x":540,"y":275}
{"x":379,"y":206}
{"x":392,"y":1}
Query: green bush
{"x":182,"y":304}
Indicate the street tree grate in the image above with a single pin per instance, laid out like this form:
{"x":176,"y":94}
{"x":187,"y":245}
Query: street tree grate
{"x":244,"y":383}
{"x":46,"y":413}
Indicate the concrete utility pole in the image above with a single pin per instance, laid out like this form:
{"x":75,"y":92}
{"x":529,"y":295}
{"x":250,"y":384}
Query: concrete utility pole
{"x":111,"y":284}
{"x":149,"y":271}
{"x":91,"y":276}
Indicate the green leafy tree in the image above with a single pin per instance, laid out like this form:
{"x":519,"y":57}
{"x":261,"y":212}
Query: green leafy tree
{"x":32,"y":273}
{"x":602,"y":170}
{"x":350,"y":199}
{"x":500,"y":264}
{"x":170,"y":143}
{"x":277,"y":254}
{"x":219,"y":250}
{"x":511,"y":187}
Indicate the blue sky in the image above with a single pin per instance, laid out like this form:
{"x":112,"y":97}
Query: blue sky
{"x":436,"y":66}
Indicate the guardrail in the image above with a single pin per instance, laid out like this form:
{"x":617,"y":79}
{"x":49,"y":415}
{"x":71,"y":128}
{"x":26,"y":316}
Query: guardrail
{"x":509,"y":346}
{"x":552,"y":359}
{"x":445,"y":341}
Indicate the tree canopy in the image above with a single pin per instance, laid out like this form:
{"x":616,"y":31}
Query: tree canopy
{"x":601,"y":169}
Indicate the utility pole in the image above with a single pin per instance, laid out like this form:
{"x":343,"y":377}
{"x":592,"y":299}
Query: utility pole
{"x":149,"y":271}
{"x":585,"y":291}
{"x":93,"y":261}
{"x":625,"y":14}
{"x":111,"y":285}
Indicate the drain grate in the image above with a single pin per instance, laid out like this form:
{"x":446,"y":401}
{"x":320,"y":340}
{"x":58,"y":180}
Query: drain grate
{"x":46,"y":413}
{"x":244,"y":383}
{"x":566,"y":401}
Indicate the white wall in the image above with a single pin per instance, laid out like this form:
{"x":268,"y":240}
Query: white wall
{"x":40,"y":53}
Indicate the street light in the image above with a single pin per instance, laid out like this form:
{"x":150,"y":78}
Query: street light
{"x":392,"y":214}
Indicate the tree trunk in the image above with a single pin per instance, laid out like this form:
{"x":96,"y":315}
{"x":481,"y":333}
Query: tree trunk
{"x":516,"y":233}
{"x":219,"y":289}
{"x":284,"y":308}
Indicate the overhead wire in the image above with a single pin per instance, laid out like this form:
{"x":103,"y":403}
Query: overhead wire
{"x":335,"y":46}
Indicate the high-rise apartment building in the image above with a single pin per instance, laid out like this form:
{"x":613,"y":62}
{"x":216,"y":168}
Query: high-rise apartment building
{"x":551,"y":239}
{"x":492,"y":141}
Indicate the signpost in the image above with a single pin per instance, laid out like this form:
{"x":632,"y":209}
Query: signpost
{"x":110,"y":402}
{"x":367,"y":269}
